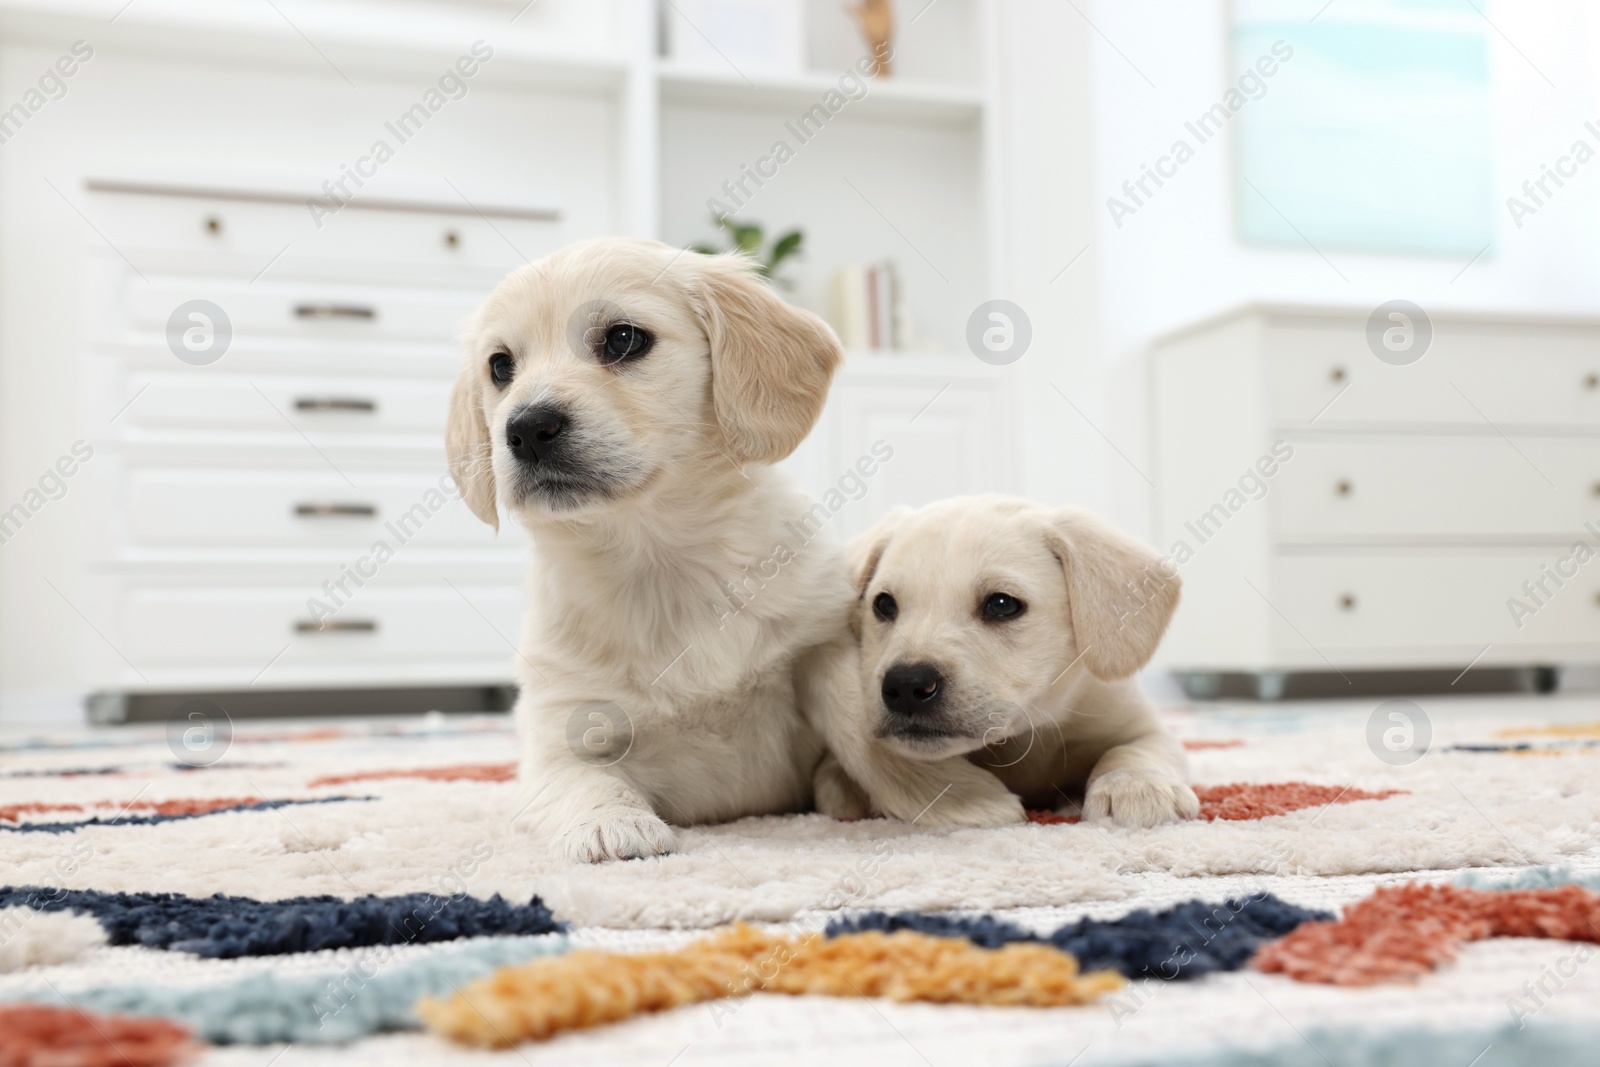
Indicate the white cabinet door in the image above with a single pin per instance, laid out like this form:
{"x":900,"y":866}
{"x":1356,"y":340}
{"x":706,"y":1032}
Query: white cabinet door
{"x":924,"y":428}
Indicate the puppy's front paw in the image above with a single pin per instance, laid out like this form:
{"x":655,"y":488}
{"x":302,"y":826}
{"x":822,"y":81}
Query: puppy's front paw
{"x":837,"y":795}
{"x":615,"y":834}
{"x":1129,"y":798}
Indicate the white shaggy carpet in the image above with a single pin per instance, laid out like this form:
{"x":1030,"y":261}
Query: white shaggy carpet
{"x":1461,"y":809}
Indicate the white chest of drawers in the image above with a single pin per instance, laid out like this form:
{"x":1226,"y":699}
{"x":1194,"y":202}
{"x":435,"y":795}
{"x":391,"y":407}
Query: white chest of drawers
{"x":1408,"y":510}
{"x":281,"y":518}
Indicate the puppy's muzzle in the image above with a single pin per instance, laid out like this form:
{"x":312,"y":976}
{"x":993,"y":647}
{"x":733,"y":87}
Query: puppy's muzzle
{"x":533,"y":434}
{"x":913,"y":690}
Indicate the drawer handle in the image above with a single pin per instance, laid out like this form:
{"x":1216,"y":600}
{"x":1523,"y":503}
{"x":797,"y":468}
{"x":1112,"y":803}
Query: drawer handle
{"x":336,"y":626}
{"x":1337,"y":374}
{"x":335,"y":311}
{"x":1591,"y":381}
{"x":1347,"y":602}
{"x":334,"y":403}
{"x":1343,"y":487}
{"x":325,"y":510}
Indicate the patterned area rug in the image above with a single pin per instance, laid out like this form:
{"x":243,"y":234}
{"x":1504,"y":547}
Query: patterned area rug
{"x":365,"y":865}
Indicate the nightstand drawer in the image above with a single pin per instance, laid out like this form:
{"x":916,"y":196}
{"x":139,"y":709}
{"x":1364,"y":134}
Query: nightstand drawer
{"x":311,"y":310}
{"x":1462,"y":600}
{"x":300,"y":625}
{"x":1329,"y":374}
{"x":230,"y":508}
{"x":262,"y":235}
{"x":229,"y":403}
{"x":1438,"y":489}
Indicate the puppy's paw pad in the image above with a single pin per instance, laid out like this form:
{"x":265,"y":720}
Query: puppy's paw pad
{"x":1128,"y":798}
{"x":619,"y":835}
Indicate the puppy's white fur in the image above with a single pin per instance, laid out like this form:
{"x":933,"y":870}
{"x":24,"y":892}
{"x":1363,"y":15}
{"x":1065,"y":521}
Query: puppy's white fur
{"x":675,"y":593}
{"x":1034,"y":710}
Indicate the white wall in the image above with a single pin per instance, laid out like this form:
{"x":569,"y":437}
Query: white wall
{"x":1178,"y":260}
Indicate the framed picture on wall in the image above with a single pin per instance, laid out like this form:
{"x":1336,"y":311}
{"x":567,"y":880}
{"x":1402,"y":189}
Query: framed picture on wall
{"x":1376,"y":132}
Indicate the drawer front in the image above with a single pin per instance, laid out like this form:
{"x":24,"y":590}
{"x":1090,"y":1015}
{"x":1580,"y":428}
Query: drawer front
{"x":256,"y":233}
{"x":1543,"y":377}
{"x":246,"y":627}
{"x":307,"y":509}
{"x":205,"y":402}
{"x":1460,"y":601}
{"x":310,"y":310}
{"x":1444,"y":489}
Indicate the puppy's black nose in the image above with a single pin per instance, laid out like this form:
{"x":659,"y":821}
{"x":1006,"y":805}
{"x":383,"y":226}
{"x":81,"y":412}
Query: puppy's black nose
{"x":533,"y":433}
{"x":912,"y":689}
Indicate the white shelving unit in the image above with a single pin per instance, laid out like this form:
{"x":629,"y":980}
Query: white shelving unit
{"x":906,"y":170}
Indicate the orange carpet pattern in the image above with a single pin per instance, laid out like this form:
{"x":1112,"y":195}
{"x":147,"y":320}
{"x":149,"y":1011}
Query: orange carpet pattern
{"x":10,"y":812}
{"x":1259,"y":801}
{"x":1051,"y":818}
{"x":35,"y":1035}
{"x":1577,"y":730}
{"x":583,"y":989}
{"x":1245,"y":800}
{"x":187,"y":806}
{"x":1403,"y":932}
{"x":461,"y":772}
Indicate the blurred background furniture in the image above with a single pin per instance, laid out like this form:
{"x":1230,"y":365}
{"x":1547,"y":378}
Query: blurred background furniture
{"x":229,"y":154}
{"x":289,"y":491}
{"x":1334,"y":513}
{"x":1027,"y":152}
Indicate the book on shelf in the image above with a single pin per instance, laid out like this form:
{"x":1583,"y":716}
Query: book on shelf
{"x":867,"y":306}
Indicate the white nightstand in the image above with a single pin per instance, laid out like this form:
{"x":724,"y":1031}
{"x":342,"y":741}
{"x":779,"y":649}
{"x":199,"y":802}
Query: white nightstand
{"x":1331,"y":511}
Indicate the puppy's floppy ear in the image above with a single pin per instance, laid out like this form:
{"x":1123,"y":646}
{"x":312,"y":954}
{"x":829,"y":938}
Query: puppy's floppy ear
{"x":467,"y":446}
{"x":865,"y":552}
{"x":770,"y":362}
{"x":1120,"y":594}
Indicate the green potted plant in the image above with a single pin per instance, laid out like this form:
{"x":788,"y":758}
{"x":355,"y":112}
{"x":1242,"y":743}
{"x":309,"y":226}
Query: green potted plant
{"x":750,"y":239}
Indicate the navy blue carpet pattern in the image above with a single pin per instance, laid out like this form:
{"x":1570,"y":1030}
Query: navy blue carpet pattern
{"x":1185,"y":941}
{"x":223,"y":927}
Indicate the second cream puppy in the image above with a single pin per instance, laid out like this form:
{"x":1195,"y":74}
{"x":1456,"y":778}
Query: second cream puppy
{"x":997,"y":641}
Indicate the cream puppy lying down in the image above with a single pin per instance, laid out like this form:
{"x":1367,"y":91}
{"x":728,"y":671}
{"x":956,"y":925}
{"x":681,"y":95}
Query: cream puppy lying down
{"x":997,"y":643}
{"x":624,"y":400}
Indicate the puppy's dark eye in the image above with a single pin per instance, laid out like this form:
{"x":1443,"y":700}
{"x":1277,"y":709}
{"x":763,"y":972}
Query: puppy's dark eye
{"x":625,"y":341}
{"x":884,"y":607}
{"x":502,"y":368}
{"x":1002,"y":606}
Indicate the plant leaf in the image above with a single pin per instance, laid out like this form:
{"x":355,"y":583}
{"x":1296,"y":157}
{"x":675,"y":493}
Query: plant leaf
{"x":786,"y":246}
